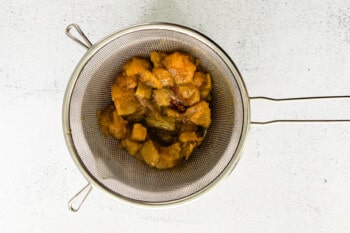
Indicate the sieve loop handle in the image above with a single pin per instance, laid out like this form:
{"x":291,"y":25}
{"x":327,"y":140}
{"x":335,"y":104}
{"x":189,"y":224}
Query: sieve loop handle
{"x":299,"y":120}
{"x":77,"y":201}
{"x":84,"y":41}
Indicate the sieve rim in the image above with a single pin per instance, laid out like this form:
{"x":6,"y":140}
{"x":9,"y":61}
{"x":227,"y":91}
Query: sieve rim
{"x":160,"y":26}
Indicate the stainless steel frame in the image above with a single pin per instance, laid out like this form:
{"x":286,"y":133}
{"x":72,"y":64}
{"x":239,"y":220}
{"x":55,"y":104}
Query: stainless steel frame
{"x":76,"y":202}
{"x":80,"y":197}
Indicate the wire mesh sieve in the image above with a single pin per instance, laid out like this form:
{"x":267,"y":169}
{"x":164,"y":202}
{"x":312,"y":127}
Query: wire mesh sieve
{"x":116,"y":172}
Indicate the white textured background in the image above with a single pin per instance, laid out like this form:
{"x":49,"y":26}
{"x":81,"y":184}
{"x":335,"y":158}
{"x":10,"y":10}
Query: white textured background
{"x":291,"y":178}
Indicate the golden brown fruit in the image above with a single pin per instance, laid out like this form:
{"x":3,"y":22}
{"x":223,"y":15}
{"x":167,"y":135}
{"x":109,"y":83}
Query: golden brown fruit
{"x":188,"y":94}
{"x":180,"y":66}
{"x":112,"y":124}
{"x":136,"y":65}
{"x":189,"y":136}
{"x":148,"y":78}
{"x":205,"y":94}
{"x":157,"y":59}
{"x":131,"y":146}
{"x":202,"y":80}
{"x":149,"y":153}
{"x":139,"y":132}
{"x":126,"y":82}
{"x":169,"y":156}
{"x":143,"y":90}
{"x":165,"y":78}
{"x":124,"y":100}
{"x":163,"y":96}
{"x":199,"y":114}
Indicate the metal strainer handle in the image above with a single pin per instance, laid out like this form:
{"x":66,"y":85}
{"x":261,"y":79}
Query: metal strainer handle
{"x":301,"y":120}
{"x":77,"y":201}
{"x":86,"y":43}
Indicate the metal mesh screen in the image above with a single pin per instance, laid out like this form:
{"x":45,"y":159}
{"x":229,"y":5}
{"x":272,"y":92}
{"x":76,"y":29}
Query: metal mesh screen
{"x":121,"y":174}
